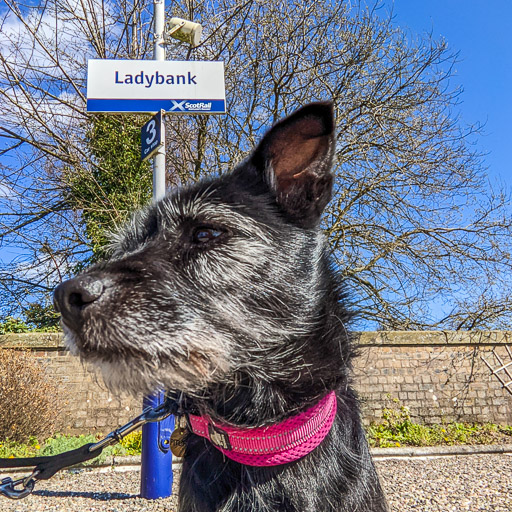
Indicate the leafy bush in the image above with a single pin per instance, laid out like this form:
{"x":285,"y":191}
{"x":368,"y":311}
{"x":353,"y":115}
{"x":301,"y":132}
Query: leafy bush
{"x":13,"y":325}
{"x":397,"y":429}
{"x":43,"y":318}
{"x":37,"y":318}
{"x":28,"y":398}
{"x":61,"y":443}
{"x":9,"y":449}
{"x":133,"y":443}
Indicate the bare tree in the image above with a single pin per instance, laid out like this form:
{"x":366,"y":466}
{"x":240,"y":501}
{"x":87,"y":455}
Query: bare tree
{"x":416,"y":227}
{"x":44,"y":132}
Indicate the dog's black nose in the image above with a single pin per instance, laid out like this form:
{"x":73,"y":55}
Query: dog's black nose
{"x":71,"y":297}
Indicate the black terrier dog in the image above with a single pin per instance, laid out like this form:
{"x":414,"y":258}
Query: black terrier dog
{"x":224,"y":292}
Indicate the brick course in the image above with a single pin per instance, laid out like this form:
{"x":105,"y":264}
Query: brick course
{"x":439,"y":375}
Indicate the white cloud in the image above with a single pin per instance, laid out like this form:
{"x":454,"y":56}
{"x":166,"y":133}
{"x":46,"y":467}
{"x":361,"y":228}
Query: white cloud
{"x":5,"y":191}
{"x":40,"y":39}
{"x":44,"y":63}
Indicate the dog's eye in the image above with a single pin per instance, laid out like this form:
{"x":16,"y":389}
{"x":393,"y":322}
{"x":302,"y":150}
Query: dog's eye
{"x":205,"y":235}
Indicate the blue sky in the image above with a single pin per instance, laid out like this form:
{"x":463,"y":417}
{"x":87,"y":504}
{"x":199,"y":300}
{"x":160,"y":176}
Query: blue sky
{"x":481,"y":30}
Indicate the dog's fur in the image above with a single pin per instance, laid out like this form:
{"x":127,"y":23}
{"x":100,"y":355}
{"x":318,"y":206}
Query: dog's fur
{"x":225,"y":292}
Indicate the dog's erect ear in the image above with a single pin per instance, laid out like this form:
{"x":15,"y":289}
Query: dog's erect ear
{"x":295,"y":157}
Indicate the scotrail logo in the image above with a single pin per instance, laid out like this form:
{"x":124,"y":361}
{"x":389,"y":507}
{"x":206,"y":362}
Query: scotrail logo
{"x":200,"y":105}
{"x":190,"y":106}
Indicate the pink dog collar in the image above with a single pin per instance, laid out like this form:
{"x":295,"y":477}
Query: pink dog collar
{"x":277,"y":444}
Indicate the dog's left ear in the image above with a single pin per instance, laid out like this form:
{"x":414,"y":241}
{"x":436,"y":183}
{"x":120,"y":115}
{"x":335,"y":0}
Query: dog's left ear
{"x":295,"y":157}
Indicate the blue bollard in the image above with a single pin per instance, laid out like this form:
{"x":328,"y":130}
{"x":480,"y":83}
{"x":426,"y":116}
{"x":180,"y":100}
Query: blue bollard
{"x":156,"y":461}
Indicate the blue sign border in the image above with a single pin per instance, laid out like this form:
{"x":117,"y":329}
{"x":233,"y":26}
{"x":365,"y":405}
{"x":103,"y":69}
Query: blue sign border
{"x":152,"y":105}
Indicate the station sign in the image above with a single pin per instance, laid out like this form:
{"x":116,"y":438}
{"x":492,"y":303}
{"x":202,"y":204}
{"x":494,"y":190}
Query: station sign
{"x":178,"y":87}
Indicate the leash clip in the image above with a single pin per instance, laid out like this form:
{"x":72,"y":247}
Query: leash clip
{"x":149,"y":415}
{"x":8,"y":486}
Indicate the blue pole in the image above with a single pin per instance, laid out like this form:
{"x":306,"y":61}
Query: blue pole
{"x":156,"y":463}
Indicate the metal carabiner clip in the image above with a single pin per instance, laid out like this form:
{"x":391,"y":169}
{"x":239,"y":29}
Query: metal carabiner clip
{"x":149,"y":415}
{"x":8,"y":487}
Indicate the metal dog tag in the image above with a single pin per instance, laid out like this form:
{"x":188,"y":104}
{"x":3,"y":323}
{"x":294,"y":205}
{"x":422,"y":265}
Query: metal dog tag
{"x":178,"y":443}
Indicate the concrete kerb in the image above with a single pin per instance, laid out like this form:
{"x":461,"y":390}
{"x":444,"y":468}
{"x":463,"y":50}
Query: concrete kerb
{"x":132,"y":462}
{"x":377,"y":453}
{"x":440,"y":451}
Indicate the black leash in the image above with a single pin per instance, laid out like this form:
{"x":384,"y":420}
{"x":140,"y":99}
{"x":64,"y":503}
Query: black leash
{"x":46,"y":467}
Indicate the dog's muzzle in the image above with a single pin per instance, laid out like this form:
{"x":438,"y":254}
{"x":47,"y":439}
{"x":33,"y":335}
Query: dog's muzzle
{"x":72,"y":297}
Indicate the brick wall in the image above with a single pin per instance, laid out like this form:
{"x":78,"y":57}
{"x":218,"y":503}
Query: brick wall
{"x":439,"y":375}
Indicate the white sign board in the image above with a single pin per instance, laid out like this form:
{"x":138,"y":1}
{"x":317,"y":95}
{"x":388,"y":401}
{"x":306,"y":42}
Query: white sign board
{"x":149,"y":86}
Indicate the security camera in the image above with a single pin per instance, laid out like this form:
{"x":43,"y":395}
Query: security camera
{"x":183,"y":30}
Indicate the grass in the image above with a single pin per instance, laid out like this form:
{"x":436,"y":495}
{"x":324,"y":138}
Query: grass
{"x":130,"y":445}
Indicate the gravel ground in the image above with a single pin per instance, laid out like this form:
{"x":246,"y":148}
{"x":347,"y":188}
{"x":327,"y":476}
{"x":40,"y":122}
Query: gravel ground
{"x":85,"y":491}
{"x":465,"y":483}
{"x":449,"y":484}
